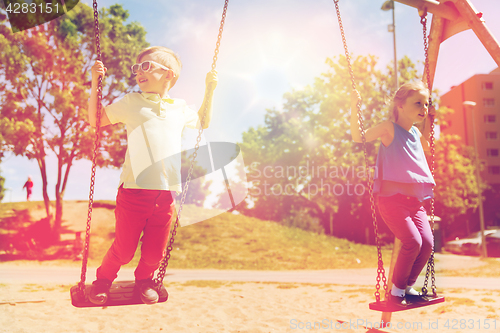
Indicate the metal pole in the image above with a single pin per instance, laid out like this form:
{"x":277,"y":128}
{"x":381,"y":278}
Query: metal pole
{"x":395,"y":56}
{"x":389,"y":4}
{"x":484,"y":252}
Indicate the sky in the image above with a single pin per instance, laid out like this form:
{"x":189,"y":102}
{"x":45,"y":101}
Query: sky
{"x":268,"y":48}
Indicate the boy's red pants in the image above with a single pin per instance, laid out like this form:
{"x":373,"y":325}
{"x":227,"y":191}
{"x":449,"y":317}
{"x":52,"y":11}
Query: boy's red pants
{"x":137,"y":211}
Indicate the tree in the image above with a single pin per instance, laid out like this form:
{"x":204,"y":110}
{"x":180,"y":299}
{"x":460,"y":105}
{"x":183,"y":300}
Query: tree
{"x":455,"y":173}
{"x":456,"y":190}
{"x":303,"y":158}
{"x":45,"y":74}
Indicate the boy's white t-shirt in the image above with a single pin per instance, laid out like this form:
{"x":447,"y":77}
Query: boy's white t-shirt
{"x":154,"y":131}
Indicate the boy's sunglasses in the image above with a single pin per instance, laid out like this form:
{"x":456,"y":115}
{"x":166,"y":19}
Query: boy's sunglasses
{"x":145,"y":66}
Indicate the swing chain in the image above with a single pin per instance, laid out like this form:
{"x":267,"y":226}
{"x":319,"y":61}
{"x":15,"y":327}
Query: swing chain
{"x":81,"y":284}
{"x":430,"y":264}
{"x":219,"y":37}
{"x":380,"y":267}
{"x":163,"y":266}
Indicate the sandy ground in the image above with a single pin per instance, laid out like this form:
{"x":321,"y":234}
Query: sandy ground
{"x":239,"y":306}
{"x":242,"y":307}
{"x":35,"y":298}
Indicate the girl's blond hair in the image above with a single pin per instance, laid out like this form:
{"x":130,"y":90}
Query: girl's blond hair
{"x":402,"y":94}
{"x":164,"y":56}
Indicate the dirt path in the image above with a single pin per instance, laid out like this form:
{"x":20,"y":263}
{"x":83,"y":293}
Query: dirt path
{"x":39,"y":273}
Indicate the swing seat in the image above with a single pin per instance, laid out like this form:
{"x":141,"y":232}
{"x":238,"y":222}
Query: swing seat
{"x":120,"y":293}
{"x":413,"y":303}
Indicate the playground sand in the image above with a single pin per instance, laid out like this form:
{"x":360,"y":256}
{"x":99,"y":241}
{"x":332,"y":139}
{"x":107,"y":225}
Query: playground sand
{"x":218,"y":306}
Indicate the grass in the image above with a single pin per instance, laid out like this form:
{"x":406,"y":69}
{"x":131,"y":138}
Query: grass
{"x":491,"y":268}
{"x":457,"y":301}
{"x":6,"y":208}
{"x":230,"y":241}
{"x":206,"y":284}
{"x":361,"y":290}
{"x":17,"y":214}
{"x":227,"y":241}
{"x":30,"y":287}
{"x":452,"y":303}
{"x":215,"y":284}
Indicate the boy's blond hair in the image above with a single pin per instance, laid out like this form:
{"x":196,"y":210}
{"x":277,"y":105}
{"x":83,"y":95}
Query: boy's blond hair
{"x":164,"y":56}
{"x":402,"y":94}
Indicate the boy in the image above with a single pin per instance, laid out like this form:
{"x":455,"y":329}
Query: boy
{"x":145,"y":199}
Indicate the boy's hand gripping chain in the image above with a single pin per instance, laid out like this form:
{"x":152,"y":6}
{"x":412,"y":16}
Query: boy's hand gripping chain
{"x":380,"y":269}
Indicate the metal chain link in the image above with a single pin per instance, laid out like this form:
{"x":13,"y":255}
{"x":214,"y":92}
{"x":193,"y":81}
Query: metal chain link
{"x":380,"y":267}
{"x":81,"y":284}
{"x":163,"y":266}
{"x":430,"y":263}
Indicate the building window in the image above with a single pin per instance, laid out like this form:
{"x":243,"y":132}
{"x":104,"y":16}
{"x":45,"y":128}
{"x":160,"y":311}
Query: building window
{"x":492,"y":152}
{"x":491,"y":135}
{"x":489,"y":102}
{"x":494,"y":169}
{"x":487,"y":85}
{"x":490,"y":118}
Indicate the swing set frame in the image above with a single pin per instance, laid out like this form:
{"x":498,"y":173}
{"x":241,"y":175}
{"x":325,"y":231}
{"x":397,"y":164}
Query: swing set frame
{"x":450,"y":17}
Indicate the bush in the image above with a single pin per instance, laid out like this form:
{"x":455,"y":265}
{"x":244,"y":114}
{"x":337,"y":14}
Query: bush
{"x":303,"y":220}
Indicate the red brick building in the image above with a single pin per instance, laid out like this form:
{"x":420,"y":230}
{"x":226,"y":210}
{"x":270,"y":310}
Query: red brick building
{"x":484,"y":90}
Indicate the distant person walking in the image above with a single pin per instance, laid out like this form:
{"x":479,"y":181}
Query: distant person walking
{"x":29,"y":187}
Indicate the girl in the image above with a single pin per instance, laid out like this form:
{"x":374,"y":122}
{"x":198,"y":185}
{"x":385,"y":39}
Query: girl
{"x":403,"y":181}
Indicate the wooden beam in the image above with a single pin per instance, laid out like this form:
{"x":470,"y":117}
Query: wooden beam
{"x":435,"y":40}
{"x":386,"y":316}
{"x":437,"y":8}
{"x":449,"y":18}
{"x":476,"y":22}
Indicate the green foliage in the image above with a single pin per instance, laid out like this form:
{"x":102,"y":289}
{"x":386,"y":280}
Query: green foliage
{"x":308,"y":153}
{"x":45,"y":85}
{"x":455,"y":174}
{"x":226,"y":241}
{"x":302,"y":220}
{"x":230,"y":241}
{"x":302,"y":161}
